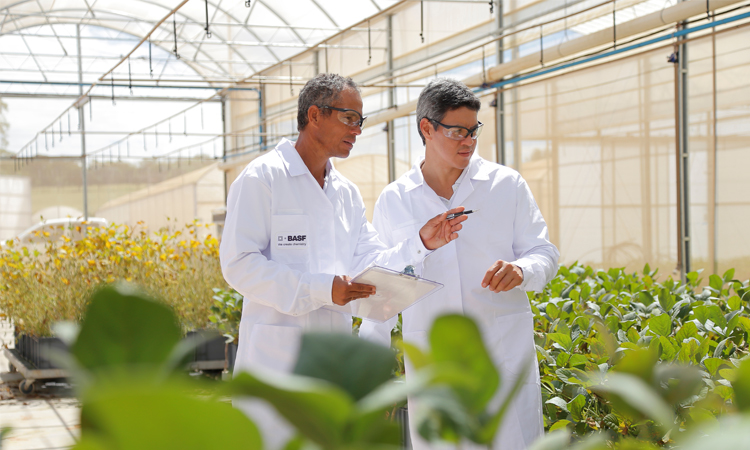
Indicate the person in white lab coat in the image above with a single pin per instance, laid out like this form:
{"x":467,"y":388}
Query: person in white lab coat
{"x":503,"y":250}
{"x":295,"y":228}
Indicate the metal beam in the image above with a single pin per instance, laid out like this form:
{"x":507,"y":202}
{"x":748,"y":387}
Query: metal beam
{"x":82,"y":126}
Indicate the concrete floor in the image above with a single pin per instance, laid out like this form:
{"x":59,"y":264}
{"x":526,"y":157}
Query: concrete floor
{"x":44,"y":421}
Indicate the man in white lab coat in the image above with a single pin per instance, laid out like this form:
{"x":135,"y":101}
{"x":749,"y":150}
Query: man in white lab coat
{"x":503,"y":251}
{"x":295,"y":228}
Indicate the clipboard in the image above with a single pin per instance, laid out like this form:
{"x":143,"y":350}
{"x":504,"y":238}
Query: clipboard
{"x":395,"y":291}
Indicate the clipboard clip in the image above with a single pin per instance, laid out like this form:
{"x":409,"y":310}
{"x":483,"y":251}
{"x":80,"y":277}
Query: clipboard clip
{"x":409,"y":271}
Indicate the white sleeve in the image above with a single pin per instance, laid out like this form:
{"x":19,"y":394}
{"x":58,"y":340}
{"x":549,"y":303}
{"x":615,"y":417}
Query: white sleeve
{"x":535,"y":254}
{"x":380,"y":333}
{"x":247,"y":232}
{"x":375,"y":249}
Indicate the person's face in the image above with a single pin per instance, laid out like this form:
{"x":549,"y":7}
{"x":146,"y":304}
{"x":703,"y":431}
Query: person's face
{"x":337,"y":137}
{"x":447,"y":152}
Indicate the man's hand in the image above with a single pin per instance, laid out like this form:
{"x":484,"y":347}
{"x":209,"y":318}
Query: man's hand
{"x":438,"y":231}
{"x":502,"y":276}
{"x":344,"y":291}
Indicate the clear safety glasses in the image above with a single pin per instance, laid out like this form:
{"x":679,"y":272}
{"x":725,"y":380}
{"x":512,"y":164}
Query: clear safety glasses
{"x":348,"y":116}
{"x":458,"y":133}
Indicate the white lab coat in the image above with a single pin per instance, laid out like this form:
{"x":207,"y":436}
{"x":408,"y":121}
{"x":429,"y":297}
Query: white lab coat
{"x":508,"y":226}
{"x":284,"y":240}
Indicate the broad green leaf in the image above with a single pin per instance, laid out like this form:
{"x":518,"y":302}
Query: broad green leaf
{"x":689,"y":329}
{"x":646,"y":297}
{"x":639,"y":363}
{"x":668,"y":351}
{"x":661,"y":325}
{"x":552,"y":310}
{"x":122,"y":327}
{"x":734,"y":302}
{"x":715,"y":282}
{"x":666,"y":299}
{"x":562,"y":339}
{"x":741,"y":386}
{"x":713,"y":364}
{"x":744,"y":323}
{"x":576,"y":406}
{"x":319,"y":410}
{"x":355,"y":365}
{"x":562,"y":359}
{"x":725,"y":392}
{"x":717,"y":316}
{"x":728,"y":374}
{"x":128,"y":416}
{"x":687,"y":351}
{"x":559,"y":425}
{"x":701,"y":313}
{"x":456,"y":339}
{"x":632,"y":394}
{"x":418,"y":358}
{"x":728,"y":275}
{"x":559,"y":402}
{"x":585,"y":291}
{"x":577,"y":360}
{"x":633,"y":335}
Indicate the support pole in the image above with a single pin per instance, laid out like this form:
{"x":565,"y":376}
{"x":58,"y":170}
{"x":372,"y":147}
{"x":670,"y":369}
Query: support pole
{"x":681,"y":139}
{"x":82,"y":121}
{"x":499,"y":94}
{"x":224,"y":144}
{"x":391,"y":138}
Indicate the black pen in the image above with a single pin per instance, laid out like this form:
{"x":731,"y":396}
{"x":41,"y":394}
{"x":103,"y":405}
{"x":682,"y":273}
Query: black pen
{"x":459,"y":214}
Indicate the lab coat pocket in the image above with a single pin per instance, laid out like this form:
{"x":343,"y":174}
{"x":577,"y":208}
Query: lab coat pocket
{"x":291,"y":240}
{"x":511,"y":343}
{"x":273,"y":347}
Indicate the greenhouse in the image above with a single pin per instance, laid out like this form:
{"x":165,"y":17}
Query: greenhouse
{"x":129,"y":131}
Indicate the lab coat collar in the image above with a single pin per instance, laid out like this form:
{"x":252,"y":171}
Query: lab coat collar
{"x":478,"y":170}
{"x":296,"y":166}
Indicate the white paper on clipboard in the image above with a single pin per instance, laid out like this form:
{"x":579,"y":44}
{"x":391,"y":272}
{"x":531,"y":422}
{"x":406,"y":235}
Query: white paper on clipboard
{"x":395,"y":292}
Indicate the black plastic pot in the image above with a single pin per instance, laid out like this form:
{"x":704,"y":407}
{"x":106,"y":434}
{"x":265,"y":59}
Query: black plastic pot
{"x":35,"y":350}
{"x":214,"y":348}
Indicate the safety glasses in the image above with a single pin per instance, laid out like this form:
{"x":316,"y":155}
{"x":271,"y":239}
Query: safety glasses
{"x":348,"y":116}
{"x":458,"y":133}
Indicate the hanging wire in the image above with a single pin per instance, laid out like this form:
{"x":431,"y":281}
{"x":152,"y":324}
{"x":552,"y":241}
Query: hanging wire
{"x":614,"y":24}
{"x":119,"y":156}
{"x":291,"y":87}
{"x":156,"y":137}
{"x":61,"y":131}
{"x":492,"y":7}
{"x":150,"y":67}
{"x":421,"y":19}
{"x":68,"y":123}
{"x":369,"y":44}
{"x":326,"y":49}
{"x":541,"y":46}
{"x":46,"y":145}
{"x":708,"y":11}
{"x":130,"y":78}
{"x":208,"y":31}
{"x":144,"y":141}
{"x":91,"y":109}
{"x":484,"y":69}
{"x":127,"y":146}
{"x":184,"y":124}
{"x":174,"y":28}
{"x":202,"y":127}
{"x":170,"y":130}
{"x":247,"y":3}
{"x":53,"y":136}
{"x":112,"y":81}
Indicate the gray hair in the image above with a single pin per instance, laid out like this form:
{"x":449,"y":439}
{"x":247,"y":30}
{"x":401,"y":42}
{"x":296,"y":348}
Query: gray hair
{"x":442,"y":95}
{"x":321,"y":90}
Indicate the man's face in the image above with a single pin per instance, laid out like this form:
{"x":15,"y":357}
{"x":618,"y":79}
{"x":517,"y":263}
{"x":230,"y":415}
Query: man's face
{"x":448,"y":152}
{"x":337,"y":137}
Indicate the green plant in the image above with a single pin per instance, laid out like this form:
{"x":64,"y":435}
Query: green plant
{"x":597,"y":322}
{"x":226,"y":313}
{"x":41,"y":285}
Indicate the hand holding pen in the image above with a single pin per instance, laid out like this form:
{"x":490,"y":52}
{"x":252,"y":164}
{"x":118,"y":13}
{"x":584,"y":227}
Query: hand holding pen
{"x":462,"y":213}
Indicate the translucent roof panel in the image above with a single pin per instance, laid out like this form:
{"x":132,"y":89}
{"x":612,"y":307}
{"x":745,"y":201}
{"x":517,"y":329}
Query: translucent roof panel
{"x":243,"y":40}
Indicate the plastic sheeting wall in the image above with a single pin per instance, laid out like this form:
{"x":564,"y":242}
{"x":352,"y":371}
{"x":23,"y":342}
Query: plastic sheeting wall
{"x":15,"y":206}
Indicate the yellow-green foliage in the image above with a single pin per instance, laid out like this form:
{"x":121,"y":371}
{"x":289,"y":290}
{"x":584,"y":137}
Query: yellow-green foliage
{"x":45,"y":284}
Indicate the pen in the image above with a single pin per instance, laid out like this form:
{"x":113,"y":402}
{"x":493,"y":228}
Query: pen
{"x":454,"y":215}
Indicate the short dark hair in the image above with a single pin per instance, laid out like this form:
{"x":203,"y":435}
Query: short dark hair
{"x":321,"y":90}
{"x":442,"y":95}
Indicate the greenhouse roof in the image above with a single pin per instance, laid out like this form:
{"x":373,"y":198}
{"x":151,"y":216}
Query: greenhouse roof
{"x":38,"y":39}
